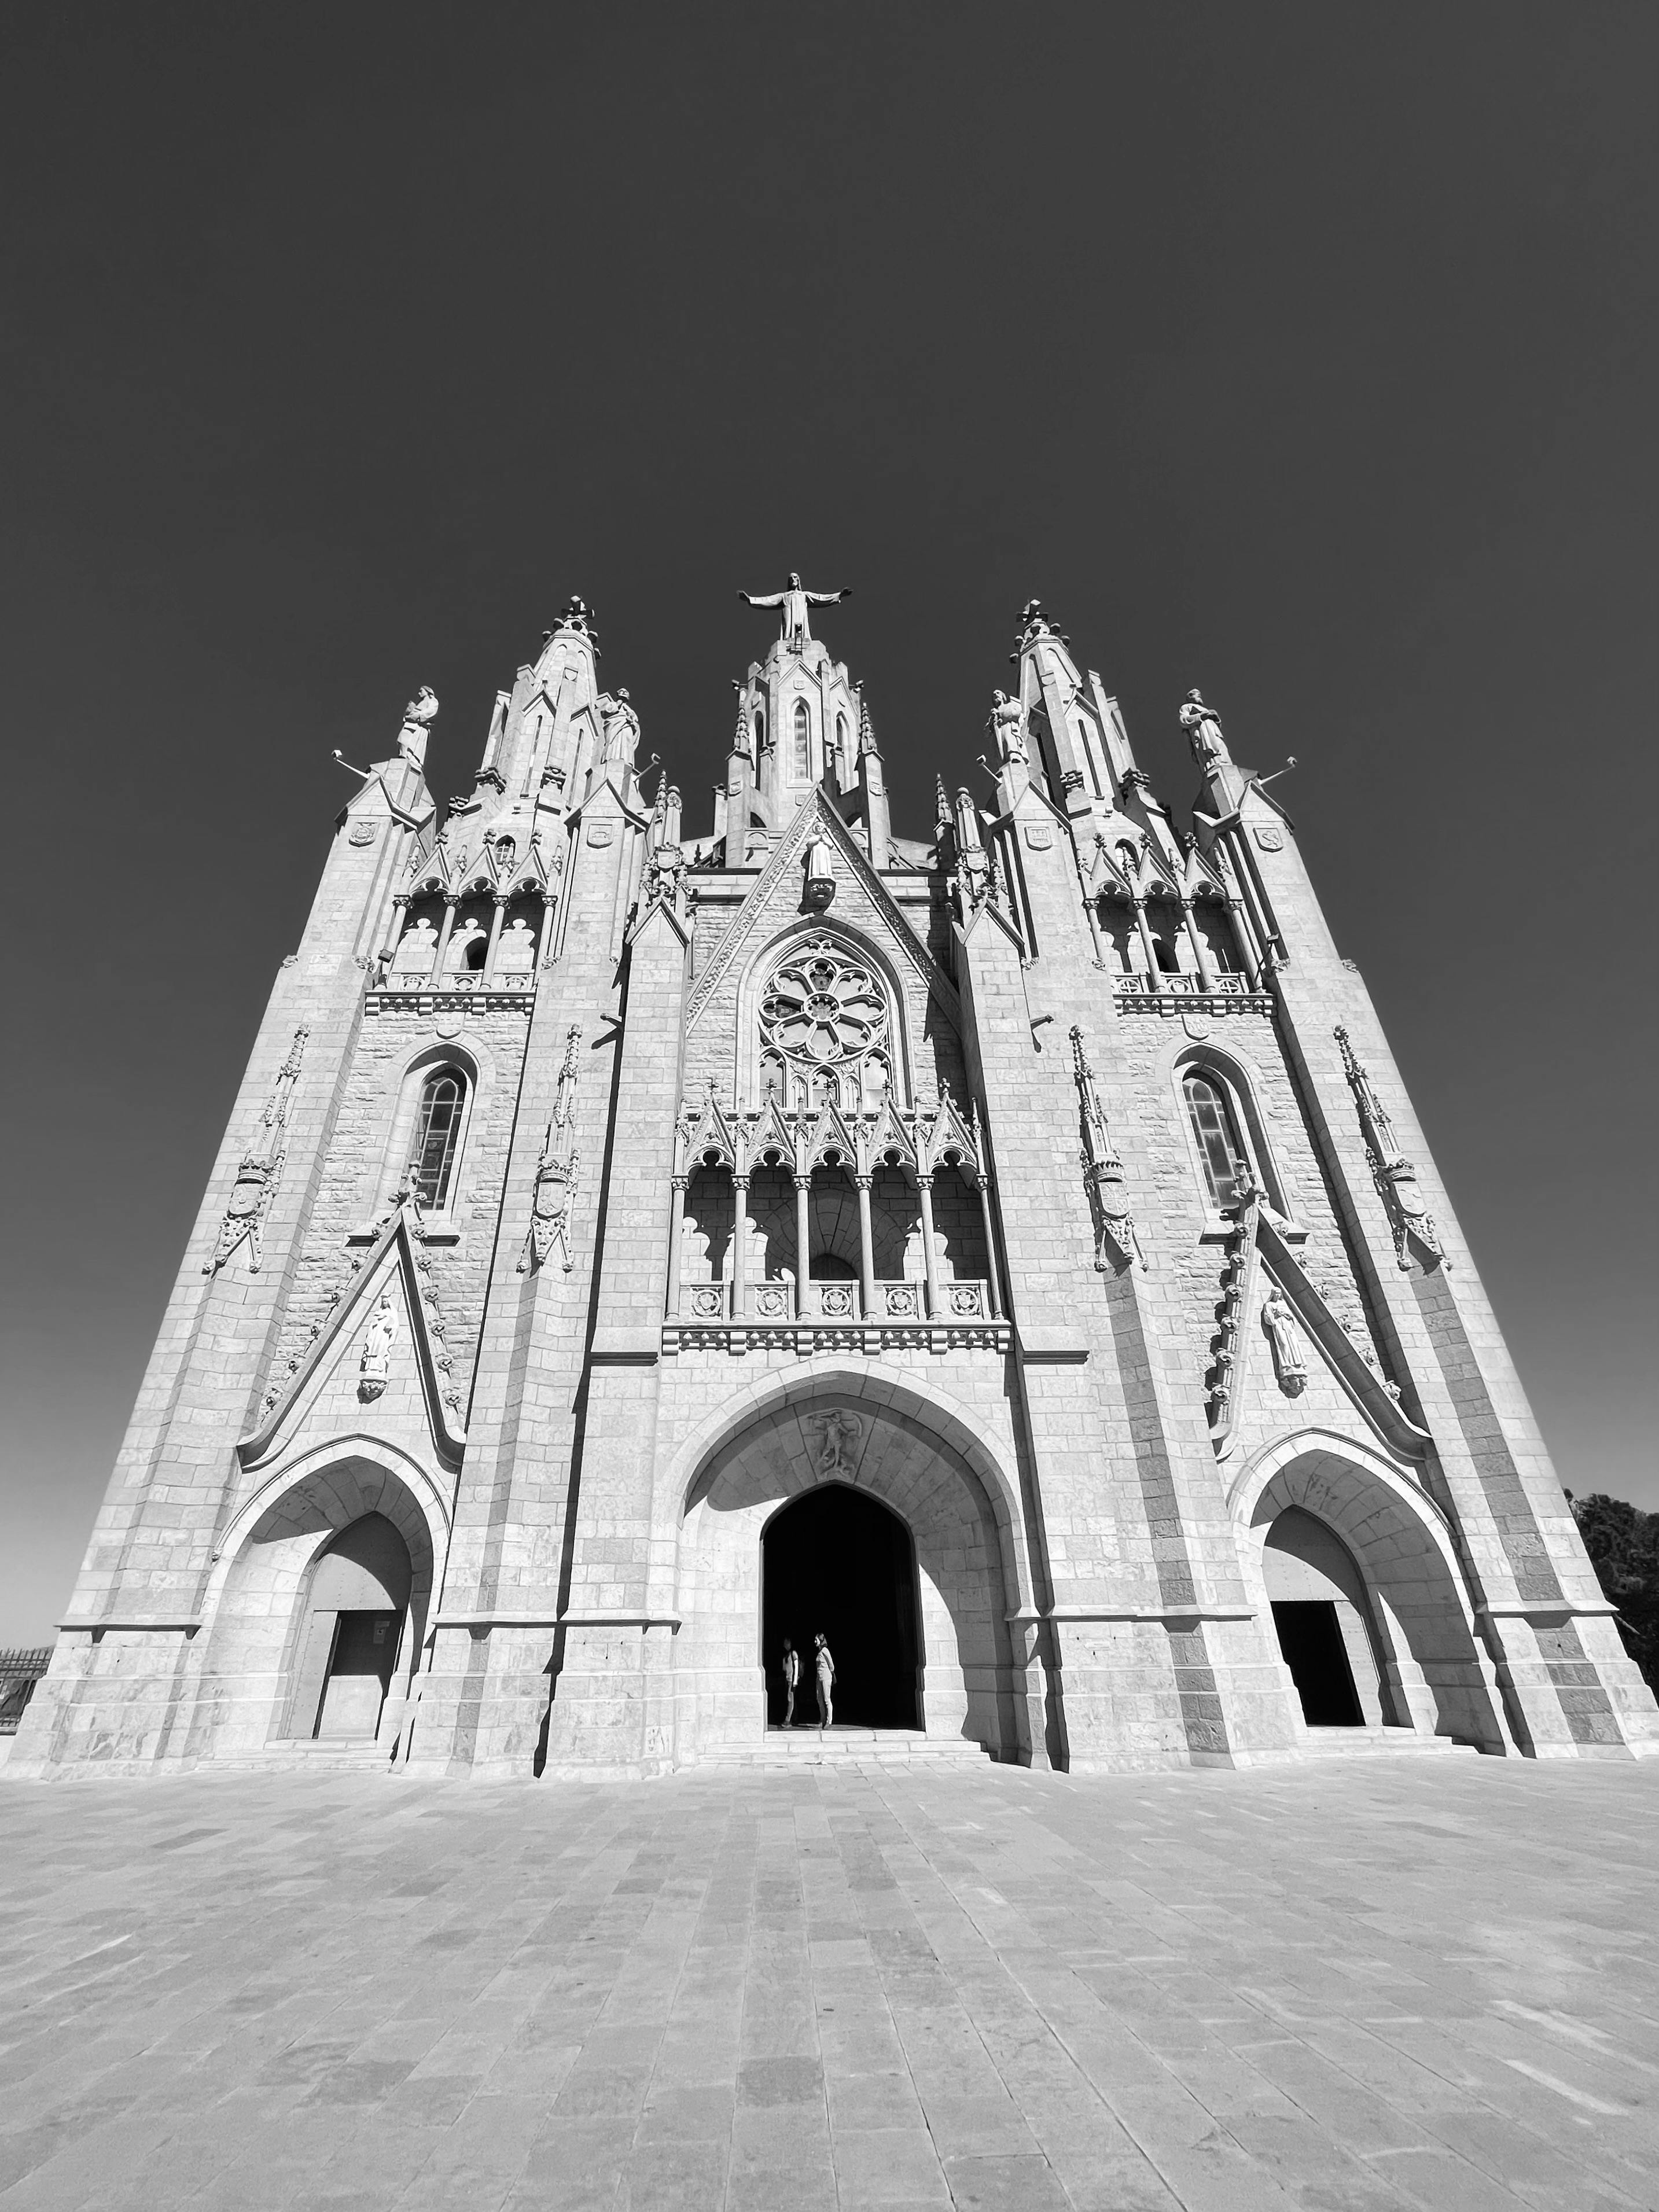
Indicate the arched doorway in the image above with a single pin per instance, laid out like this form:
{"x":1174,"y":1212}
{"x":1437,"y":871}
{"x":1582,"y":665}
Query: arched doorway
{"x":837,"y":1562}
{"x":351,"y":1633}
{"x":898,"y":1453}
{"x":1367,"y":1542}
{"x":1322,"y":1617}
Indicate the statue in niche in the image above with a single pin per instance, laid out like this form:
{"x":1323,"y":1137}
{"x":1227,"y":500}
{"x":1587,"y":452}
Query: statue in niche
{"x":375,"y":1364}
{"x":838,"y":1435}
{"x":418,"y":717}
{"x":1203,"y":732}
{"x":621,"y":729}
{"x":1279,"y":1320}
{"x":1007,"y":728}
{"x":795,"y":599}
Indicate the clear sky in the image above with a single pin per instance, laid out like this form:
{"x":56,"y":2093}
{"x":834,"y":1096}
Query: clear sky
{"x":1301,"y":353}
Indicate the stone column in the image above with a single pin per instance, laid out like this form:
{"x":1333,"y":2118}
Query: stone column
{"x":984,"y":1183}
{"x":1152,"y":972}
{"x":929,"y":1258}
{"x":452,"y":901}
{"x":1206,"y":975}
{"x":866,"y":1251}
{"x":675,"y":1240}
{"x":499,"y":901}
{"x":739,"y":1246}
{"x":802,"y":1247}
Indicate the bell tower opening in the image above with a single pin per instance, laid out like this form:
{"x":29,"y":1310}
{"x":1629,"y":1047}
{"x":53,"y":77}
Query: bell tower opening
{"x":837,"y":1562}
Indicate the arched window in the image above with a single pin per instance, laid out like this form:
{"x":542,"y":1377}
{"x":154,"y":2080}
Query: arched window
{"x":437,"y":1133}
{"x":1217,"y":1133}
{"x":840,"y":738}
{"x":760,"y":731}
{"x":803,"y":739}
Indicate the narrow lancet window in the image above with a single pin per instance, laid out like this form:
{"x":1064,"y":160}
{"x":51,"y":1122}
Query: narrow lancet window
{"x":1219,"y":1148}
{"x":803,"y":740}
{"x":437,"y":1133}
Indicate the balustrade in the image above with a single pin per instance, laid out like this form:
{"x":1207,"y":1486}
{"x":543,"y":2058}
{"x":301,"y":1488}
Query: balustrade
{"x":903,"y":1304}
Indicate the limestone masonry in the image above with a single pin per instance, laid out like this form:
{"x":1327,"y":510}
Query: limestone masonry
{"x":1010,"y":1251}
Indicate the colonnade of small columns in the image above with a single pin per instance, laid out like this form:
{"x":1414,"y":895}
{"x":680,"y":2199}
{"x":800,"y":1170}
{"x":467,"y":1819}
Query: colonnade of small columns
{"x":453,"y":901}
{"x":802,"y":1179}
{"x":1158,"y":977}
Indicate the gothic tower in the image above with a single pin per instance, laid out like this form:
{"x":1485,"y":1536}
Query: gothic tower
{"x":1009,"y":1251}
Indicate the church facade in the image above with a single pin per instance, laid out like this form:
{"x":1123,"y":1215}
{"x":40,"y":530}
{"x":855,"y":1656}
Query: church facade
{"x":1008,"y":1251}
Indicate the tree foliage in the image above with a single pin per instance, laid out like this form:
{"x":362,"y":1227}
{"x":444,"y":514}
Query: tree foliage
{"x":1623,"y":1543}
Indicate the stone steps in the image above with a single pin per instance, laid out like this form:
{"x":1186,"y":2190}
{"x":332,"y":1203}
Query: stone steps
{"x":1364,"y":1742}
{"x":848,"y":1747}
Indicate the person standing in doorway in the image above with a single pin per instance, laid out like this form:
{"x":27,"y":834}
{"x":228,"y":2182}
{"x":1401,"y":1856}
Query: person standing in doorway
{"x":826,"y":1667}
{"x":791,"y":1678}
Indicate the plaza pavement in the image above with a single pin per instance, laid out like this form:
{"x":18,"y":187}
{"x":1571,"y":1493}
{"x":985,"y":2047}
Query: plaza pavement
{"x":1373,"y":1982}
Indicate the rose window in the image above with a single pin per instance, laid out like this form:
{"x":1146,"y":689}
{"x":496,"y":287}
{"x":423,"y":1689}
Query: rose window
{"x":821,"y":1007}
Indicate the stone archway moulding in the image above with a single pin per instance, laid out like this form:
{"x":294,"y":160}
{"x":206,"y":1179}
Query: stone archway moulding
{"x":1253,"y":1477}
{"x":887,"y":1388}
{"x":425,"y":1491}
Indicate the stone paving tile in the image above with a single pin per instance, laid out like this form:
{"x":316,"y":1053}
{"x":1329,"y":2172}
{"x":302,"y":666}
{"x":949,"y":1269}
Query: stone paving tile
{"x":1350,"y":1988}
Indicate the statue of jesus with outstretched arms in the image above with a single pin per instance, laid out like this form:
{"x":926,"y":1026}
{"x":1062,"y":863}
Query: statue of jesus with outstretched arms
{"x":795,"y":599}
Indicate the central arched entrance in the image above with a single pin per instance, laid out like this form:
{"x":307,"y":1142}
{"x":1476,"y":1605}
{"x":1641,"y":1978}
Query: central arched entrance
{"x":838,"y":1563}
{"x":853,"y":1505}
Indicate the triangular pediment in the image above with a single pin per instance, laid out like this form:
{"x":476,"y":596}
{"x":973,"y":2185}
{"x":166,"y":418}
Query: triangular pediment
{"x":816,"y":817}
{"x":376,"y":1365}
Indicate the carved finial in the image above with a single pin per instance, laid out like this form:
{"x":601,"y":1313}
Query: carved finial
{"x":743,"y":738}
{"x":941,"y":804}
{"x":577,"y":618}
{"x":866,"y":731}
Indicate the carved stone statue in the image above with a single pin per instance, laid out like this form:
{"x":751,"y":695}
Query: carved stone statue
{"x":621,"y":729}
{"x":838,"y":1434}
{"x":1203,"y":732}
{"x":375,"y":1366}
{"x":418,"y":717}
{"x":795,"y":599}
{"x":1279,"y":1320}
{"x":1007,"y":728}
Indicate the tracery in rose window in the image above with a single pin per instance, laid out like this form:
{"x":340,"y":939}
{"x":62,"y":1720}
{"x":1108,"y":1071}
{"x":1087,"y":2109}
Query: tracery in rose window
{"x":821,"y":1007}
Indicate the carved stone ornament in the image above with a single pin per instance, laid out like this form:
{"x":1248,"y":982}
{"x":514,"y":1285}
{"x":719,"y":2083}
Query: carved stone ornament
{"x":1278,"y":1325}
{"x":1270,"y":837}
{"x":556,"y":1172}
{"x":1394,"y":1175}
{"x":363,"y":832}
{"x":1117,"y":1241}
{"x":838,"y":1434}
{"x":261,"y":1170}
{"x":374,"y":1367}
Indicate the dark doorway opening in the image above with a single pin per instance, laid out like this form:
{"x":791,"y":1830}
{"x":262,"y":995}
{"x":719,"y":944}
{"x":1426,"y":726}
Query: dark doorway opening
{"x":1310,"y":1642}
{"x":836,"y":1561}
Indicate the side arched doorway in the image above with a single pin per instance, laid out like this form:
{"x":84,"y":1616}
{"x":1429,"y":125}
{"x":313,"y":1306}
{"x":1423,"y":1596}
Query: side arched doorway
{"x":836,"y":1562}
{"x":352,"y":1632}
{"x":1322,"y":1615}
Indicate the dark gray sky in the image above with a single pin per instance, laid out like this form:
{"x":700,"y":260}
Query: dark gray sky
{"x":1302,"y":353}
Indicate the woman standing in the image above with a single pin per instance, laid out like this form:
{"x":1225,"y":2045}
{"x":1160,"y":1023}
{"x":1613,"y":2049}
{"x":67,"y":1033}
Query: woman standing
{"x":826,"y":1667}
{"x":790,"y":1681}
